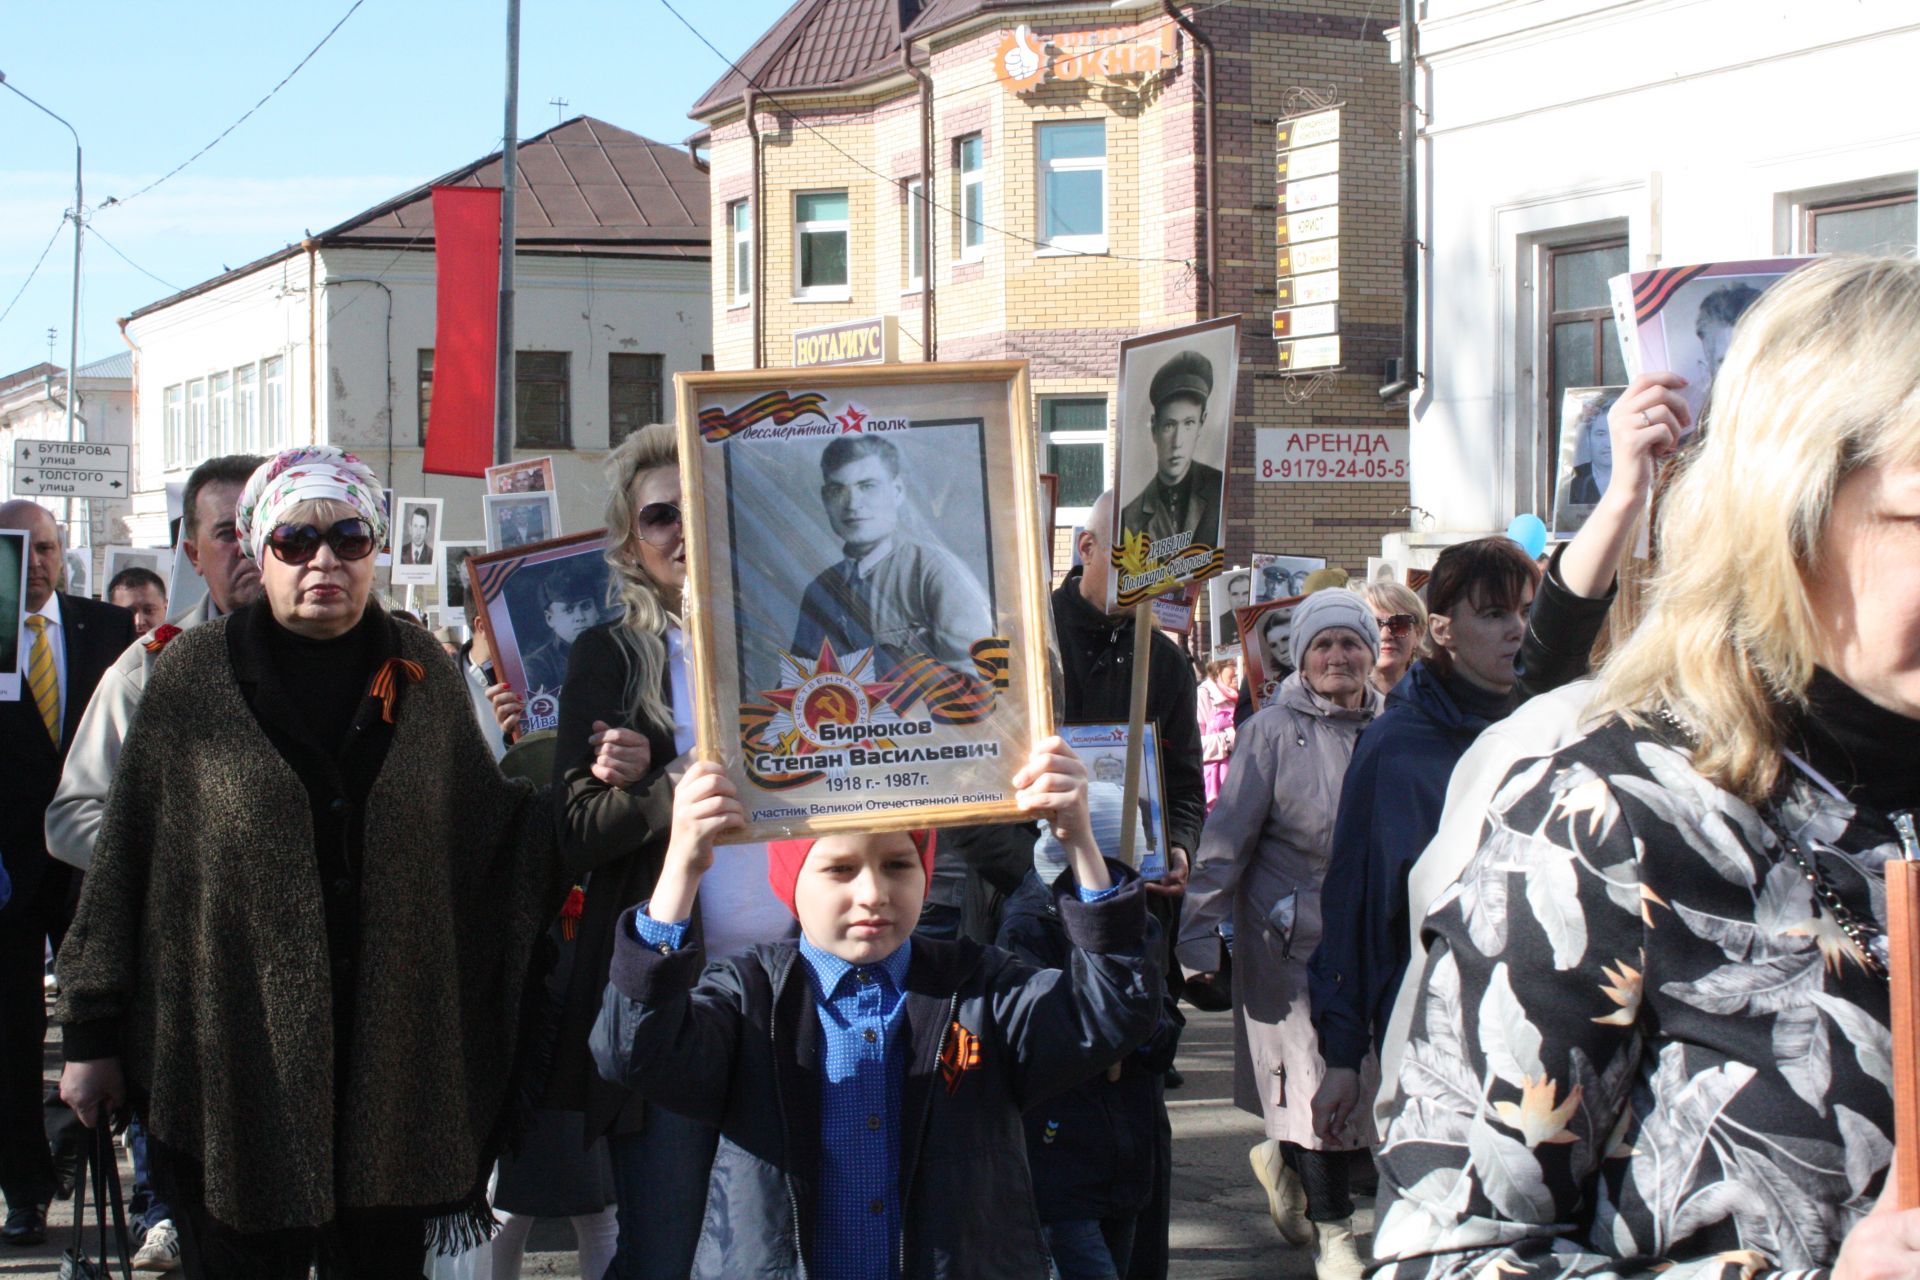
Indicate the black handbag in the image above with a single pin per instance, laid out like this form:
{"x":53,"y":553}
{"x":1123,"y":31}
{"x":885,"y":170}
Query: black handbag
{"x":76,"y":1263}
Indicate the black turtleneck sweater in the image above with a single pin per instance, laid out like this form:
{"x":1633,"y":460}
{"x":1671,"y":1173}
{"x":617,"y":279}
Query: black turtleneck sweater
{"x":1475,"y":701}
{"x":1870,"y":753}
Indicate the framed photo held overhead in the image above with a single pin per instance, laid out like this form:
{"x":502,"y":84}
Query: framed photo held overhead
{"x":1176,"y":413}
{"x":453,"y":574}
{"x":867,"y":594}
{"x":1103,"y":748}
{"x":534,"y":602}
{"x":520,"y":519}
{"x":529,"y":475}
{"x":1585,"y":456}
{"x":416,"y":556}
{"x":13,"y":612}
{"x":1266,"y":634}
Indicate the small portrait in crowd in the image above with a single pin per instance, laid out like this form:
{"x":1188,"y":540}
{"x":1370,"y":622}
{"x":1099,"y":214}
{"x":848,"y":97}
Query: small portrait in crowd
{"x":535,"y":604}
{"x":453,"y":572}
{"x":13,"y":595}
{"x":528,"y":475}
{"x":1277,"y":577}
{"x":1266,"y":632}
{"x":1585,"y":463}
{"x":78,"y":571}
{"x":155,"y":560}
{"x":572,"y":597}
{"x":521,"y":519}
{"x":1230,"y":591}
{"x":1684,"y":317}
{"x":416,"y":558}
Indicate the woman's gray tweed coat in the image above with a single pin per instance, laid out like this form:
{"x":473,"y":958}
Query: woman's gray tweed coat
{"x":200,"y":930}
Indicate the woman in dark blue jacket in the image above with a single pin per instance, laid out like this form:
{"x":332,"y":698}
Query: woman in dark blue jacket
{"x":1478,"y":598}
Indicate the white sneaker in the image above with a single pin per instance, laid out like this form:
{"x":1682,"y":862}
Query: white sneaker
{"x":1336,"y":1254}
{"x":160,"y":1251}
{"x":1286,"y":1194}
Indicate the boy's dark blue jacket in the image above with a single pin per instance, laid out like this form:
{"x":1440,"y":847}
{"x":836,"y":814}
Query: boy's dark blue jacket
{"x":1091,"y":1148}
{"x":741,"y":1050}
{"x":1390,"y":806}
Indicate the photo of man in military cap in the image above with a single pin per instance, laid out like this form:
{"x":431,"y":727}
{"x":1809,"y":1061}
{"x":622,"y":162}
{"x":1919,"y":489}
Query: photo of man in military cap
{"x":571,"y":600}
{"x":1183,"y":494}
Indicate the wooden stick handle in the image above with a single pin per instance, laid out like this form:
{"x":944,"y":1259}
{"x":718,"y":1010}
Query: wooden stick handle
{"x":1136,"y":732}
{"x":1903,"y":922}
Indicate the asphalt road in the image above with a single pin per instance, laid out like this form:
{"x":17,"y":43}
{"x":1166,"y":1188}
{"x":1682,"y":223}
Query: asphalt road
{"x":1220,"y":1227}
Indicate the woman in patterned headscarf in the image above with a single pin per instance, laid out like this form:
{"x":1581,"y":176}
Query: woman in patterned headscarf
{"x":303,"y":944}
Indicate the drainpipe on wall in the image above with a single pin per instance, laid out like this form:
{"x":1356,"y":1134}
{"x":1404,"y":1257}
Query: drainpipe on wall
{"x":925,"y":81}
{"x":313,"y":340}
{"x":757,"y":222}
{"x":1408,"y":378}
{"x":1212,"y":216}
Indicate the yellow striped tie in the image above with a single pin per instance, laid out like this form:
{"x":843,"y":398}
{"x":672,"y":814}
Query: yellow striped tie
{"x":40,"y":677}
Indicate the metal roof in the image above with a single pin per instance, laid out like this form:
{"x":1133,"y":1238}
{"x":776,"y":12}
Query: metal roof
{"x":583,"y":187}
{"x":119,"y":365}
{"x":821,"y":45}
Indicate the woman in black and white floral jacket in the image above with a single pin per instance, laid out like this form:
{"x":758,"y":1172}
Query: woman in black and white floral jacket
{"x":1653,"y":1035}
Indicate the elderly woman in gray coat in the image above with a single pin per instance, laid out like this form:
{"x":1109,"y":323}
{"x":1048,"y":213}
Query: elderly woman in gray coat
{"x":1262,"y":857}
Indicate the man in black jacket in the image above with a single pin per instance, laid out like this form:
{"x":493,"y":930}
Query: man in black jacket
{"x":1096,"y":660}
{"x":69,"y":642}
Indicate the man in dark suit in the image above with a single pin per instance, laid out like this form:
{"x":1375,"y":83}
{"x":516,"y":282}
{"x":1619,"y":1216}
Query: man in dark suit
{"x":419,"y":544}
{"x":1183,"y":497}
{"x":66,"y":646}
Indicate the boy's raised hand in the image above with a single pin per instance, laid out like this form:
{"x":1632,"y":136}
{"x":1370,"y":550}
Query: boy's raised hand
{"x":1053,"y":785}
{"x":705,"y":805}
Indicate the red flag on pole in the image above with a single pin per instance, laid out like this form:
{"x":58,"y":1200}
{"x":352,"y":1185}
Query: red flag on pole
{"x":466,"y":258}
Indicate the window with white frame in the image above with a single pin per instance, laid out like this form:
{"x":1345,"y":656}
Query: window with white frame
{"x":276,"y":422}
{"x":196,"y":423}
{"x":913,"y":229}
{"x":740,"y":220}
{"x":220,"y":414}
{"x":1073,"y":446}
{"x":246,"y":409}
{"x":970,"y":202}
{"x":1875,"y":224}
{"x":820,"y":235}
{"x":1073,"y":186}
{"x":174,"y":426}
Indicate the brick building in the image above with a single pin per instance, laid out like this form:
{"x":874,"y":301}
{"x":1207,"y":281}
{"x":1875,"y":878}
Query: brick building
{"x":1060,"y":196}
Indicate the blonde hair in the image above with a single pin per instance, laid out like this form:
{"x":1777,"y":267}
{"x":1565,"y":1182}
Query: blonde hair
{"x":1393,"y":597}
{"x":1822,"y":378}
{"x":630,"y":588}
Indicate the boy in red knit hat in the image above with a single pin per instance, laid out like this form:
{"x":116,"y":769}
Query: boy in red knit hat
{"x":867,"y":1084}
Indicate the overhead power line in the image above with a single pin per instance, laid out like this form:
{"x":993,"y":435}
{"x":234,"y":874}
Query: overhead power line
{"x":36,"y":267}
{"x":113,"y":201}
{"x":95,"y":233}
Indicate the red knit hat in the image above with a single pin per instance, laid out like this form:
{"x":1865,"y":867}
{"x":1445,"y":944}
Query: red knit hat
{"x":785,"y":858}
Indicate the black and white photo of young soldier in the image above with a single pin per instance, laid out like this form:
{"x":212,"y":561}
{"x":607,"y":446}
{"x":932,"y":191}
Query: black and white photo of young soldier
{"x":418,"y":547}
{"x":889,"y":590}
{"x":1183,"y":496}
{"x":570,"y":602}
{"x":1237,"y":586}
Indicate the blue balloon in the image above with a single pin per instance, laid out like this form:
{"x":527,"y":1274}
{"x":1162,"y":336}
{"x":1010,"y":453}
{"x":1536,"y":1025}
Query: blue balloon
{"x":1530,"y":532}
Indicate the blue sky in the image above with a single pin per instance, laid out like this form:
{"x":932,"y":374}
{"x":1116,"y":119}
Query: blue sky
{"x":405,"y":91}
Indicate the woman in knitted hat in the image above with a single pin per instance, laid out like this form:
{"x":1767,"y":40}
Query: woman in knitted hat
{"x":1262,"y":857}
{"x":312,"y":910}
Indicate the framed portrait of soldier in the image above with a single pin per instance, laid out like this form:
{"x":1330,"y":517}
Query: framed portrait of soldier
{"x":1585,"y":456}
{"x":867,"y":591}
{"x":520,"y":519}
{"x":13,"y":611}
{"x":534,"y":602}
{"x":1176,"y":412}
{"x":1103,"y":749}
{"x":1230,"y":591}
{"x":1266,"y":656}
{"x":416,"y":554}
{"x":1277,"y":577}
{"x":528,"y":475}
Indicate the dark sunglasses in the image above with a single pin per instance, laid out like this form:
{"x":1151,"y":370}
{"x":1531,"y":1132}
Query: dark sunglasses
{"x":658,"y":522}
{"x":299,"y":543}
{"x":1397,"y":624}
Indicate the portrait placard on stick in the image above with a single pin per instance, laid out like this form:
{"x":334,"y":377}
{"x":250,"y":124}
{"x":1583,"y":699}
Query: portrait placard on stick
{"x":13,"y":611}
{"x":1585,"y":464}
{"x":1176,"y":411}
{"x":529,"y":475}
{"x":867,"y":597}
{"x":416,"y":556}
{"x":1231,"y":590}
{"x":1103,"y":749}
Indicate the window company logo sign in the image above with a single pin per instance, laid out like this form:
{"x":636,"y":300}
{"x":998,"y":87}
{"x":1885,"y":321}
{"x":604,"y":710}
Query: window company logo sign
{"x":1026,"y":61}
{"x":1330,"y":453}
{"x":871,"y":341}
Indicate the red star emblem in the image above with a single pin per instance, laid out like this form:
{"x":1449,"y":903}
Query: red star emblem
{"x":850,"y":420}
{"x":829,"y":664}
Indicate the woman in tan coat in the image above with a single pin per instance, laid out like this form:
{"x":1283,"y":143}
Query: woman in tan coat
{"x":1262,"y":857}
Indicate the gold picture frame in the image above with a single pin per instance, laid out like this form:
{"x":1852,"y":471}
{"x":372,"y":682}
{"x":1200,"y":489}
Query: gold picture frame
{"x":905,"y":682}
